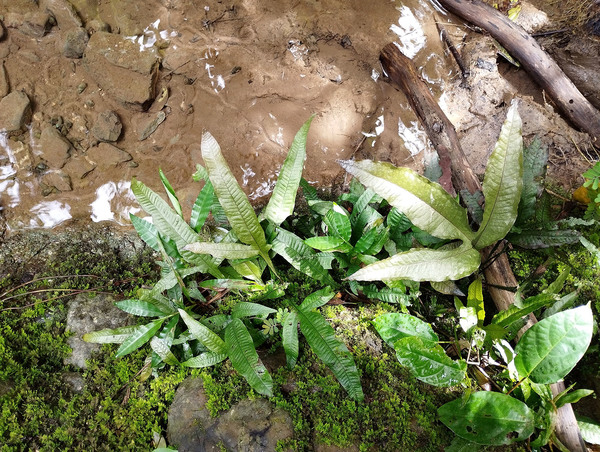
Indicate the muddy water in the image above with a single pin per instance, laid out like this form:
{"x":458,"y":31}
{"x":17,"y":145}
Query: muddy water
{"x":250,"y":72}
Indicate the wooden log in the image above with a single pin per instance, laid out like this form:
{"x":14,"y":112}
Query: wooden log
{"x":534,"y":60}
{"x":498,"y":274}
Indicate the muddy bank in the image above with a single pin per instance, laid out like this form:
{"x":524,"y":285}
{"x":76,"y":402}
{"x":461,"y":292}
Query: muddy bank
{"x":96,"y":93}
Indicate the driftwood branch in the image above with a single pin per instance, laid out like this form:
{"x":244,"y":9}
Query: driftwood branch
{"x":534,"y":60}
{"x":442,"y":134}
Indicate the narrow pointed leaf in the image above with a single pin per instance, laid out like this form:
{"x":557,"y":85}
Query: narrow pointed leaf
{"x":543,"y":238}
{"x":170,"y":193}
{"x":388,"y":294}
{"x":142,"y":308}
{"x":206,"y":359}
{"x":502,"y":183}
{"x":394,"y":326}
{"x":572,"y":397}
{"x":489,"y":418}
{"x":428,"y":362}
{"x":232,"y":198}
{"x":110,"y":336}
{"x":162,"y":349}
{"x":172,"y":225}
{"x":246,"y":309}
{"x":203,"y":334}
{"x":146,"y":230}
{"x":201,"y":208}
{"x":423,"y":265}
{"x":283,"y":199}
{"x":317,"y":299}
{"x":535,"y":157}
{"x":529,"y":305}
{"x":590,"y":429}
{"x":328,"y":243}
{"x":425,"y":203}
{"x":321,"y":338}
{"x":550,"y":349}
{"x":223,"y":250}
{"x":289,"y":337}
{"x":338,"y":223}
{"x":139,"y":337}
{"x":243,"y":356}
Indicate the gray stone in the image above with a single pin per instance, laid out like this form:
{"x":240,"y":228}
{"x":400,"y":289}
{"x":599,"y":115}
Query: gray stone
{"x":55,"y":147}
{"x":75,"y":381}
{"x":107,"y":126}
{"x":63,"y":12}
{"x":78,"y":168}
{"x":106,"y":155}
{"x":56,"y":181}
{"x":4,"y":84}
{"x":87,"y":315}
{"x":15,"y":112}
{"x":35,"y":24}
{"x":122,"y":69}
{"x":96,"y":25}
{"x":249,"y":426}
{"x":75,"y":42}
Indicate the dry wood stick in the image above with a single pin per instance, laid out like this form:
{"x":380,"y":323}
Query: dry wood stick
{"x":534,"y":60}
{"x":401,"y":70}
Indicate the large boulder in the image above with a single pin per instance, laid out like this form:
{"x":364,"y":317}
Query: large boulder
{"x":15,"y":112}
{"x":249,"y":426}
{"x":122,"y":68}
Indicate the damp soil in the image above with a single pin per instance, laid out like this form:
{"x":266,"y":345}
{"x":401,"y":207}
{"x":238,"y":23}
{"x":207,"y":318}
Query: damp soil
{"x":251,"y":73}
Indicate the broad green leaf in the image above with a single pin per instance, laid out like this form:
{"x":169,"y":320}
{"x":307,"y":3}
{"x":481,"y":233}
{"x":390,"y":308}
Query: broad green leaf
{"x":162,"y":349}
{"x":460,"y":445}
{"x":238,"y":284}
{"x":365,"y":242}
{"x":246,"y":309}
{"x":243,"y":356}
{"x":328,"y":243}
{"x":206,"y":359}
{"x":317,"y":299}
{"x":428,"y":362}
{"x":502,"y":183}
{"x":572,"y":397}
{"x":550,"y":349}
{"x":489,"y":418}
{"x":110,"y":336}
{"x":143,"y":308}
{"x":338,"y":223}
{"x":232,"y":198}
{"x":139,"y":337}
{"x":423,"y":265}
{"x":223,"y":250}
{"x":321,"y":338}
{"x":425,"y":203}
{"x":170,"y":193}
{"x":475,"y":300}
{"x":289,"y":337}
{"x":394,"y":326}
{"x":172,"y":225}
{"x":248,"y":269}
{"x":283,"y":199}
{"x":543,"y":238}
{"x":291,"y":247}
{"x":529,"y":305}
{"x":562,"y":304}
{"x":447,"y":288}
{"x":201,"y":208}
{"x":590,"y":429}
{"x":146,"y":230}
{"x":203,"y":334}
{"x":388,"y":294}
{"x":535,"y":157}
{"x":200,"y":174}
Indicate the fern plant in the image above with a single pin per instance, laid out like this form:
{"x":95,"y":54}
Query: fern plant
{"x":235,"y":257}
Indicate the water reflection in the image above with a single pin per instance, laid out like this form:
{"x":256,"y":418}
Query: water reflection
{"x":410,"y":31}
{"x":414,"y":137}
{"x":48,"y":214}
{"x":114,"y":202}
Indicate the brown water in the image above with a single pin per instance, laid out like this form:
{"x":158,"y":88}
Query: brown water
{"x":250,"y":72}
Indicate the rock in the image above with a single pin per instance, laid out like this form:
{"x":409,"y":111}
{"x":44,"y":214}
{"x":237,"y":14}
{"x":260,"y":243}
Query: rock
{"x":85,"y":316}
{"x":54,"y":181}
{"x":107,"y":127}
{"x":249,"y":426}
{"x":4,"y":84}
{"x":96,"y":25}
{"x":34,"y":24}
{"x":106,"y":155}
{"x":65,"y":14}
{"x":2,"y":31}
{"x":75,"y":42}
{"x":15,"y":111}
{"x":122,"y":69}
{"x":78,"y":168}
{"x":55,"y":147}
{"x":75,"y":381}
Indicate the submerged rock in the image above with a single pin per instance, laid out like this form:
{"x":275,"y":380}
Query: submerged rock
{"x":34,"y":23}
{"x":87,"y":315}
{"x":4,"y":84}
{"x":106,"y":155}
{"x":55,"y":147}
{"x":123,"y":68}
{"x":55,"y":181}
{"x":107,"y":126}
{"x":249,"y":426}
{"x":15,"y":111}
{"x":75,"y":42}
